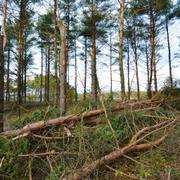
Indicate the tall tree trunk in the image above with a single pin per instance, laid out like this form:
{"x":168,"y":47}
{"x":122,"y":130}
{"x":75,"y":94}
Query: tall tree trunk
{"x":169,"y":54}
{"x":153,"y":55}
{"x":46,"y":62}
{"x":136,"y":59}
{"x":85,"y":69}
{"x":148,"y":74}
{"x":110,"y":68}
{"x":25,"y":66}
{"x":1,"y":84}
{"x":4,"y":24}
{"x":75,"y":85}
{"x":128,"y":70}
{"x":93,"y":60}
{"x":22,"y":69}
{"x":42,"y":59}
{"x":8,"y":75}
{"x":20,"y":42}
{"x":48,"y":74}
{"x":56,"y":54}
{"x":63,"y":75}
{"x":68,"y":39}
{"x":121,"y":38}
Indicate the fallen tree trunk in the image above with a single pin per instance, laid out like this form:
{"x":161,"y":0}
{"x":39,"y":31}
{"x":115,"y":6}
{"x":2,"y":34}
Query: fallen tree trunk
{"x":26,"y":130}
{"x":133,"y":146}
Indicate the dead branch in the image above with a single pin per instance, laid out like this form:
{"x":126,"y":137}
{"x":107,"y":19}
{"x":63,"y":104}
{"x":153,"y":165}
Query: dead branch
{"x":142,"y":131}
{"x":45,"y":154}
{"x":39,"y":154}
{"x":131,"y":147}
{"x":26,"y":130}
{"x":48,"y":138}
{"x":122,"y":173}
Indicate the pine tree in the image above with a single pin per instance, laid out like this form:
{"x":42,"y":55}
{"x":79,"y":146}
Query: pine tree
{"x":1,"y":84}
{"x":95,"y":22}
{"x":154,"y":9}
{"x":45,"y":31}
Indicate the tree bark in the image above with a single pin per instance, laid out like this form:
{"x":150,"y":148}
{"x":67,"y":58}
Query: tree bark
{"x":20,"y":42}
{"x":149,"y":94}
{"x":136,"y":59}
{"x":85,"y":70}
{"x":128,"y":70}
{"x":42,"y":59}
{"x":1,"y":84}
{"x":46,"y":62}
{"x":68,"y":39}
{"x":4,"y":24}
{"x":22,"y":69}
{"x":110,"y":68}
{"x":93,"y":59}
{"x":75,"y":84}
{"x":63,"y":75}
{"x":25,"y":66}
{"x":153,"y":55}
{"x":56,"y":54}
{"x":48,"y":73}
{"x":8,"y":74}
{"x":121,"y":38}
{"x":169,"y":54}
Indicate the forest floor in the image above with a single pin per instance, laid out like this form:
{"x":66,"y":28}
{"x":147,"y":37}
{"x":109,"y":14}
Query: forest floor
{"x":55,"y":152}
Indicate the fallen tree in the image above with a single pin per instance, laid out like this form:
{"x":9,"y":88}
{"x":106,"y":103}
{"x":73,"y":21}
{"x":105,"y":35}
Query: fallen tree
{"x":26,"y":130}
{"x":133,"y":146}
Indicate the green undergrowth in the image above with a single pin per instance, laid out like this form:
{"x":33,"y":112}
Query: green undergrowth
{"x":88,"y":143}
{"x":50,"y":112}
{"x":12,"y":166}
{"x":170,"y":95}
{"x":34,"y":116}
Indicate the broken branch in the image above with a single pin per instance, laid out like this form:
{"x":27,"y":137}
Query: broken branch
{"x":26,"y":130}
{"x":131,"y":147}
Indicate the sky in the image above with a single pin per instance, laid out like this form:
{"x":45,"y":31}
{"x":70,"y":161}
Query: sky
{"x":103,"y":71}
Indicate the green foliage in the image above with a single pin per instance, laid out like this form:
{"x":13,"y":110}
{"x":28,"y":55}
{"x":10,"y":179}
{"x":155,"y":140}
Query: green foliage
{"x":70,"y":95}
{"x":12,"y":164}
{"x":87,"y":144}
{"x":170,"y":92}
{"x":144,"y":172}
{"x":33,"y":117}
{"x":45,"y":26}
{"x":54,"y":175}
{"x":38,"y":115}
